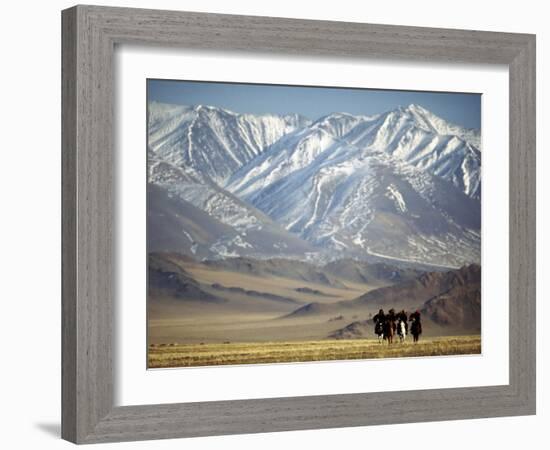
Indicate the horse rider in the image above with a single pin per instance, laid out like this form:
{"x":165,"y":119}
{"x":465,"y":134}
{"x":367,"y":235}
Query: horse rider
{"x":391,"y":318}
{"x":380,"y":317}
{"x":402,"y":316}
{"x":416,"y":325}
{"x":379,"y":320}
{"x":415,"y":316}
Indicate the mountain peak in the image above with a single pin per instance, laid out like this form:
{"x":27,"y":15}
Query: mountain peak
{"x":417,"y":108}
{"x":212,"y":109}
{"x":334,"y":116}
{"x":413,"y":109}
{"x":337,"y":123}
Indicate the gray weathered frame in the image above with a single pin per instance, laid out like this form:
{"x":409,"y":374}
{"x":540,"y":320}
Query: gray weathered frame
{"x":89,"y":36}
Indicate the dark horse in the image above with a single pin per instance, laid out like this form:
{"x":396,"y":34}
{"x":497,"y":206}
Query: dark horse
{"x":389,"y":326}
{"x":379,"y":320}
{"x":416,"y":325}
{"x":389,"y":331}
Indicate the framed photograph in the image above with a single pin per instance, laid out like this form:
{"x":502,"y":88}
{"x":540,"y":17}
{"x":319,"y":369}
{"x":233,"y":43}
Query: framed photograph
{"x":267,"y":230}
{"x":279,"y":229}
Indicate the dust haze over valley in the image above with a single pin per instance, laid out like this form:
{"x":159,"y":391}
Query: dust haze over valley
{"x":266,"y":229}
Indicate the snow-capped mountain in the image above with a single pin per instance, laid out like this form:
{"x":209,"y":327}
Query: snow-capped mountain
{"x":401,"y":185}
{"x":362,"y":202}
{"x":191,"y":151}
{"x":213,"y":141}
{"x":415,"y":135}
{"x":411,"y":134}
{"x":189,"y":213}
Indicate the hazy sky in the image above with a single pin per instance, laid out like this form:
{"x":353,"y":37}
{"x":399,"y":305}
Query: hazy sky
{"x":314,"y":102}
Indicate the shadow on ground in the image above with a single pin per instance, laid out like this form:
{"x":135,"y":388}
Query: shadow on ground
{"x":53,"y":429}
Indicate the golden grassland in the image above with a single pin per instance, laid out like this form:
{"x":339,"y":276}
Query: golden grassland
{"x":188,"y":355}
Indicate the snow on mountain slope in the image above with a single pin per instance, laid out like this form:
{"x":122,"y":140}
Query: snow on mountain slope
{"x":441,"y":126}
{"x":421,"y":118}
{"x":369,"y":203}
{"x":402,"y":185}
{"x":386,"y":185}
{"x":339,"y":124}
{"x":190,"y":150}
{"x":213,"y":141}
{"x":292,"y":152}
{"x":192,"y":215}
{"x":191,"y":186}
{"x":175,"y":225}
{"x":411,"y":134}
{"x":426,"y":141}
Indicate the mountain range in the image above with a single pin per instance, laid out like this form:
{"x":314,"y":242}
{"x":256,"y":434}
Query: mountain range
{"x":451,"y":298}
{"x":401,"y":186}
{"x":449,"y":301}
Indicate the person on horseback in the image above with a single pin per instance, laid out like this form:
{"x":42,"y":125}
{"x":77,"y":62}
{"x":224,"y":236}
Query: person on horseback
{"x":389,"y":326}
{"x":379,"y":320}
{"x":380,"y":317}
{"x":402,"y":316}
{"x":392,"y":317}
{"x":416,"y":325}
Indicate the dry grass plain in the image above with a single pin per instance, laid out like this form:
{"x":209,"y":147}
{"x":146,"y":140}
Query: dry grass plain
{"x":209,"y":354}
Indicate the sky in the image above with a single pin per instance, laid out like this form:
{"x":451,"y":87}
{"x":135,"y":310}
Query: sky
{"x":314,"y":102}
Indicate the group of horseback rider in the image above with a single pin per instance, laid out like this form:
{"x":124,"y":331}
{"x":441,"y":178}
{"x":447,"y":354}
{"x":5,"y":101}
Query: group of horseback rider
{"x":387,"y":325}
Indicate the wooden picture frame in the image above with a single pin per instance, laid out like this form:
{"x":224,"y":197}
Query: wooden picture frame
{"x":90,"y":34}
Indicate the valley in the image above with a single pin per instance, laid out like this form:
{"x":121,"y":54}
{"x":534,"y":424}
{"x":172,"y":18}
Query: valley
{"x":237,"y":302}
